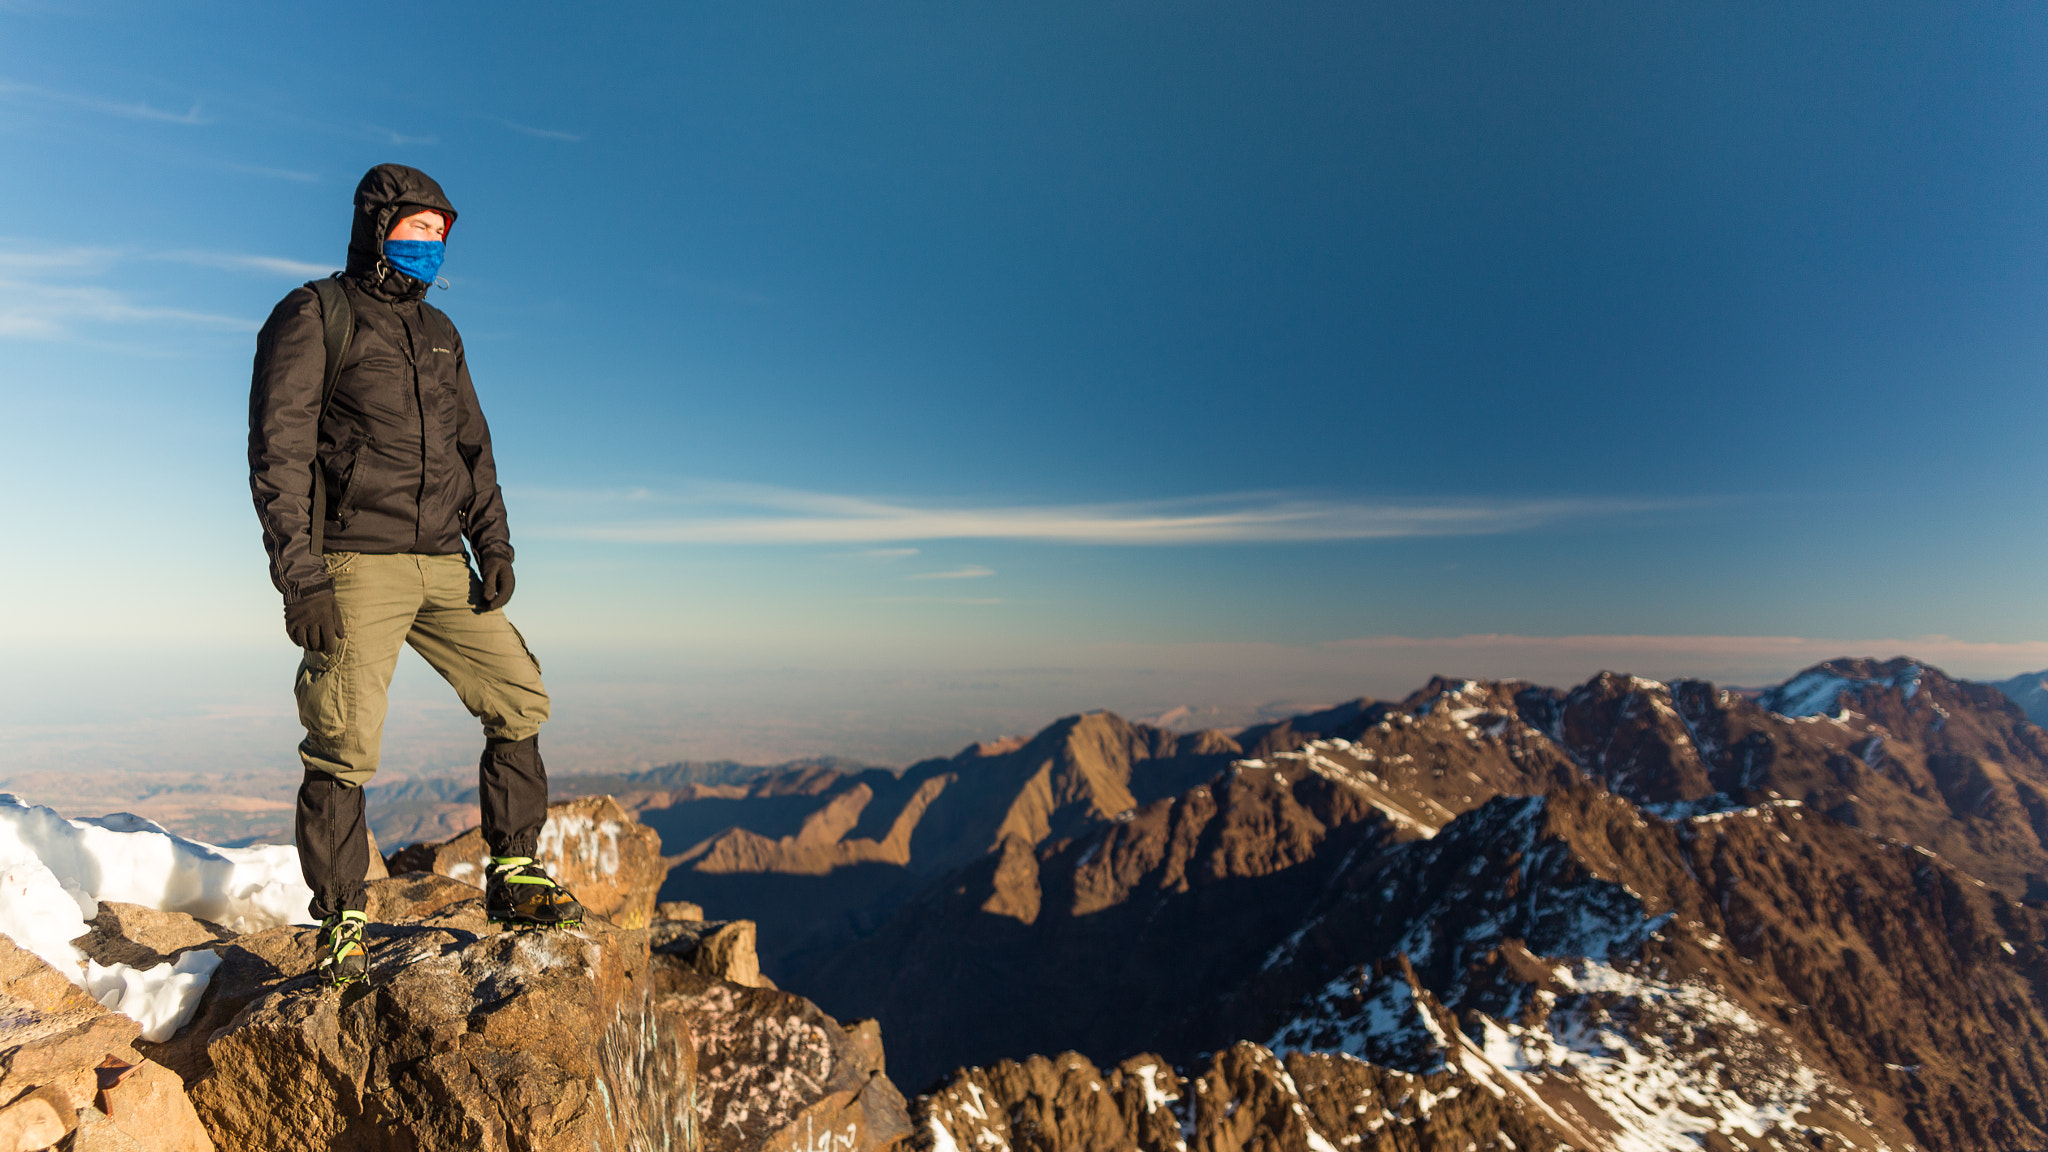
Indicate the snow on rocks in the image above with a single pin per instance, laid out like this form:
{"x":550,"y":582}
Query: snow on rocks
{"x":1247,"y":1097}
{"x":161,"y":999}
{"x":592,"y":846}
{"x":54,"y":872}
{"x":1817,"y":691}
{"x":1384,"y":1017}
{"x":69,"y":1075}
{"x":1666,"y":1063}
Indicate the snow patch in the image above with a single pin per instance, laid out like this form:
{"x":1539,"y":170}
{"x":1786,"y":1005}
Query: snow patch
{"x":1667,"y":1062}
{"x":162,"y":999}
{"x":136,"y":861}
{"x":55,"y":871}
{"x":596,"y":843}
{"x":1814,"y":693}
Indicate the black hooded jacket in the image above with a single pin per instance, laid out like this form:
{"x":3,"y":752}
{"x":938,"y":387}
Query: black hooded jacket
{"x":404,"y":444}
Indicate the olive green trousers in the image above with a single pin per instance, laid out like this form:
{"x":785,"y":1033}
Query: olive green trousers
{"x":431,"y":603}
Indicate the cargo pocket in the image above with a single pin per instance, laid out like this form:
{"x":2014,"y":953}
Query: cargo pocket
{"x":523,"y":645}
{"x":322,"y":688}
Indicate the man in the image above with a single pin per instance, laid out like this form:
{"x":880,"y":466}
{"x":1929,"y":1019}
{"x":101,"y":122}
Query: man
{"x":405,"y":474}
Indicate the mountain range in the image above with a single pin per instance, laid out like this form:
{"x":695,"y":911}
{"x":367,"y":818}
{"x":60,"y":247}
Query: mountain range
{"x":1627,"y":914}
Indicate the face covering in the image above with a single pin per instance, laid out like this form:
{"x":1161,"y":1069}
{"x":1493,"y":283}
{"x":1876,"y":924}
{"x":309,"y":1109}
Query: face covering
{"x":419,"y":259}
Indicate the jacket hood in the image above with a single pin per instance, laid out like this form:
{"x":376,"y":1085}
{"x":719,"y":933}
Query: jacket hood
{"x":383,"y":189}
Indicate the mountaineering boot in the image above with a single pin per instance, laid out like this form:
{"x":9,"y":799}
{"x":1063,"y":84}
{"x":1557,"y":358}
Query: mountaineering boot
{"x":520,"y":893}
{"x":343,"y":957}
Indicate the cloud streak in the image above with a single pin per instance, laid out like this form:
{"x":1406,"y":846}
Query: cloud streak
{"x":540,"y":133}
{"x":744,"y":514}
{"x":48,"y":312}
{"x":969,"y":572}
{"x":1786,"y":651}
{"x":275,"y":173}
{"x":271,"y":264}
{"x":192,"y":117}
{"x":396,"y":138}
{"x":47,"y":293}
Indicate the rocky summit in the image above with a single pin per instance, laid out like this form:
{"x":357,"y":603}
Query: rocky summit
{"x":464,"y":1036}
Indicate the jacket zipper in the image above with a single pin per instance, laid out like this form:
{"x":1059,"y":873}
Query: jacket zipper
{"x":419,"y":405}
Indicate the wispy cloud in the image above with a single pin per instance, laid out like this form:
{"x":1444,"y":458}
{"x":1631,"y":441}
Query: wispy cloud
{"x":57,"y":260}
{"x":46,"y":312}
{"x":277,"y":265}
{"x":390,"y":136}
{"x":49,"y":293}
{"x":748,"y":514}
{"x":192,"y":116}
{"x":978,"y":600}
{"x":540,"y":133}
{"x":968,"y":572}
{"x":275,"y":173}
{"x":1630,"y":649}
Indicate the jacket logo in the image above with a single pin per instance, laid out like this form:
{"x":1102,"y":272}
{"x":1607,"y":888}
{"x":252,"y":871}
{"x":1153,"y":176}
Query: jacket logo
{"x":444,"y":349}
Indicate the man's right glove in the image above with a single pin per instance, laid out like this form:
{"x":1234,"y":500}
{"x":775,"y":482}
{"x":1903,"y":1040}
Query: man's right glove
{"x":496,"y":582}
{"x":314,"y":623}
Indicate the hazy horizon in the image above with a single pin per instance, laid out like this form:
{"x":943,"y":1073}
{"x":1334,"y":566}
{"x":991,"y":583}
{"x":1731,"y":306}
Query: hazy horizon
{"x":614,"y":717}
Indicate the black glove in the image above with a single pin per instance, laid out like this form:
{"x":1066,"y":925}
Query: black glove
{"x":497,"y":582}
{"x":314,"y":623}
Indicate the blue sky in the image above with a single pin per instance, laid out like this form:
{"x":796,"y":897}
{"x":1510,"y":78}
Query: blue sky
{"x":1247,"y":352}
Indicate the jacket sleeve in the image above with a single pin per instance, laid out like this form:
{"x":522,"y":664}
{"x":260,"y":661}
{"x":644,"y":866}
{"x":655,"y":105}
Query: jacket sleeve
{"x":484,"y":519}
{"x":284,"y":437}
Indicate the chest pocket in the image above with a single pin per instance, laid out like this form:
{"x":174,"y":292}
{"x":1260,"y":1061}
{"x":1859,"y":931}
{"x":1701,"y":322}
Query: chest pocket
{"x":437,"y":364}
{"x":374,"y":361}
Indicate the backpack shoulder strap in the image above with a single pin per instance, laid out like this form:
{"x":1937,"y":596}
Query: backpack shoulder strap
{"x":338,"y":324}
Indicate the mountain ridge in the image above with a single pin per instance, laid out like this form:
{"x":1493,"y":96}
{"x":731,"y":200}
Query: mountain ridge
{"x":1688,"y":861}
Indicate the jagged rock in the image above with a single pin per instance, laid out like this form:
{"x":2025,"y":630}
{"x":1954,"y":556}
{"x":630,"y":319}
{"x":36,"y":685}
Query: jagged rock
{"x":678,"y":910}
{"x":593,"y":847}
{"x":462,"y":1037}
{"x":414,"y":894}
{"x":37,"y":1120}
{"x":254,"y":963}
{"x":866,"y":1035}
{"x":720,"y":949}
{"x":147,"y":1102}
{"x":97,"y":1132}
{"x":55,"y":1033}
{"x":377,"y":869}
{"x":778,"y":1075}
{"x":1247,"y":1099}
{"x":61,"y":1054}
{"x":144,"y":937}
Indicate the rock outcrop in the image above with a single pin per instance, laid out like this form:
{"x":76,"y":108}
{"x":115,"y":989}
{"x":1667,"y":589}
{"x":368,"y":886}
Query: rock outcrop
{"x":778,"y":1075}
{"x":68,"y":1065}
{"x":591,"y":846}
{"x":1246,"y":1098}
{"x":464,"y":1035}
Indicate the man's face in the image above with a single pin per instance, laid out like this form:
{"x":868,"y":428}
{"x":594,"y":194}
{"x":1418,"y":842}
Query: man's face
{"x":419,"y":226}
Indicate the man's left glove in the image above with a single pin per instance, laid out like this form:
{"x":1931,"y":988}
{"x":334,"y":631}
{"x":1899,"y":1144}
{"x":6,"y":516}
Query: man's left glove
{"x":497,"y":583}
{"x":314,"y":623}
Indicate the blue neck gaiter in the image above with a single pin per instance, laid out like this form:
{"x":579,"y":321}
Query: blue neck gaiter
{"x":419,"y":259}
